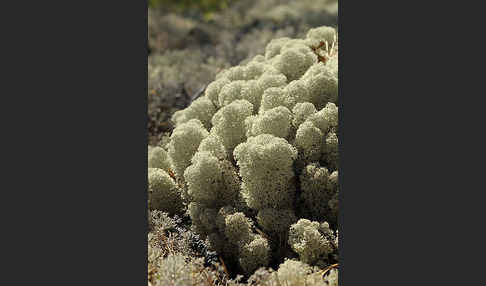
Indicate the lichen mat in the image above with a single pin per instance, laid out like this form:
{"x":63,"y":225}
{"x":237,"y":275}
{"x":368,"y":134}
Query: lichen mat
{"x":254,"y":161}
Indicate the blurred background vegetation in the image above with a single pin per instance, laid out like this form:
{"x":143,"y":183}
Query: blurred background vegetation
{"x":206,"y":7}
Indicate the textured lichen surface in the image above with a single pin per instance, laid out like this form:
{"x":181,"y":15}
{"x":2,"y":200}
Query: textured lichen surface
{"x":254,"y":162}
{"x":186,"y":49}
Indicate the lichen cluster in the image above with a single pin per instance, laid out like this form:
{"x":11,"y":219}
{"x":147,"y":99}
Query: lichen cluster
{"x":254,"y":161}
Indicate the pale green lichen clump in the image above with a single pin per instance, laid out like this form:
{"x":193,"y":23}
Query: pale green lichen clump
{"x":313,"y":241}
{"x":255,"y":160}
{"x":163,"y":192}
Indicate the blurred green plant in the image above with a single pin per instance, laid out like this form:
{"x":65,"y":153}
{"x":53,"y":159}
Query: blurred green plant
{"x":207,"y":7}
